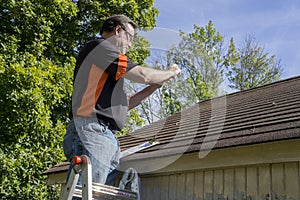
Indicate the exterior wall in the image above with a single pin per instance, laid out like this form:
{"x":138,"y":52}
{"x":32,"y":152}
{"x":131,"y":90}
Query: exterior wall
{"x":260,"y":182}
{"x":266,"y":171}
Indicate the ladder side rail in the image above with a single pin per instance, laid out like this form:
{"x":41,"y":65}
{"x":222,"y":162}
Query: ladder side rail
{"x":71,"y":185}
{"x":86,"y":178}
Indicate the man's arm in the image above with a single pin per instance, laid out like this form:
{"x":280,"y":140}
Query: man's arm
{"x":147,"y":75}
{"x":139,"y":97}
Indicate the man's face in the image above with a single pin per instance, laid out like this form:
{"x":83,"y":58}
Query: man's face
{"x":126,"y":35}
{"x":122,"y":37}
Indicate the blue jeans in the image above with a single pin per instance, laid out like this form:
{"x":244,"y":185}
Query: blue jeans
{"x":86,"y":136}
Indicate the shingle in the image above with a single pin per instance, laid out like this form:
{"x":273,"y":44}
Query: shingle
{"x":60,"y":167}
{"x":263,"y":114}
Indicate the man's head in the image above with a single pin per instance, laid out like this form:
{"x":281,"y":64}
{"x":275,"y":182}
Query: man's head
{"x":119,"y":30}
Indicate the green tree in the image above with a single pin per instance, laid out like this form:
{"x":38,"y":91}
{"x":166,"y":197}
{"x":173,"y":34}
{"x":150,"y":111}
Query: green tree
{"x":57,"y":29}
{"x":255,"y":67}
{"x":42,"y":28}
{"x":202,"y":57}
{"x":33,"y":115}
{"x":39,"y":40}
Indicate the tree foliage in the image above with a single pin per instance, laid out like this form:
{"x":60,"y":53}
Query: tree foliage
{"x":33,"y":115}
{"x":39,"y":40}
{"x":255,"y":67}
{"x":56,"y":29}
{"x":202,"y":57}
{"x":42,"y":28}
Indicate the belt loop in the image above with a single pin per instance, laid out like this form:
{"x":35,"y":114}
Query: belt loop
{"x":108,"y":125}
{"x":103,"y":123}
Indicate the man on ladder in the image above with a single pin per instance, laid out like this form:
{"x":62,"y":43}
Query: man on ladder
{"x":99,"y":103}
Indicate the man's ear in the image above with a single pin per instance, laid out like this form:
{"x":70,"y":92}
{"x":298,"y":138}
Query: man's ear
{"x":118,"y":30}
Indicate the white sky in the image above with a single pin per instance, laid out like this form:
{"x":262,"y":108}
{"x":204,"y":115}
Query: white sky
{"x":274,"y":23}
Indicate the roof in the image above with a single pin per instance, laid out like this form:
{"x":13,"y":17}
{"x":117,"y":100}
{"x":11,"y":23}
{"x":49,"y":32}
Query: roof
{"x":263,"y":114}
{"x":60,"y":167}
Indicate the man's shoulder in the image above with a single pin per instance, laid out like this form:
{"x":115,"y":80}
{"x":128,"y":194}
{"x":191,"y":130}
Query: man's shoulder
{"x":91,"y":45}
{"x":94,"y":43}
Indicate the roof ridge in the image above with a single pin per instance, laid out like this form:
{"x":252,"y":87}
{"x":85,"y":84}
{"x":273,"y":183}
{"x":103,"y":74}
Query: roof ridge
{"x":279,"y":82}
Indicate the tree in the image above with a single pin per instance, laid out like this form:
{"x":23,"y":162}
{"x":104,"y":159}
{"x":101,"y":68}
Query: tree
{"x":255,"y":67}
{"x":201,"y":56}
{"x":39,"y":40}
{"x":57,"y":29}
{"x":33,"y":115}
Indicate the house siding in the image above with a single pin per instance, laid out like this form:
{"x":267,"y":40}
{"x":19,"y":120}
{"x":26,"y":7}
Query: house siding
{"x":253,"y":182}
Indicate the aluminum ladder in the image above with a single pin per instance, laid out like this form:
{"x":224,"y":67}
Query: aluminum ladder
{"x":129,"y":187}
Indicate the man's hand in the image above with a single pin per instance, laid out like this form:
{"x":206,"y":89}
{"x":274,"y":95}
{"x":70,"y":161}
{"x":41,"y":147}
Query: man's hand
{"x":175,"y":69}
{"x":158,"y":78}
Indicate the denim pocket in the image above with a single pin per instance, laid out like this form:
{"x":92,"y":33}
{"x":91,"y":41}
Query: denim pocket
{"x":95,"y":128}
{"x":69,"y":140}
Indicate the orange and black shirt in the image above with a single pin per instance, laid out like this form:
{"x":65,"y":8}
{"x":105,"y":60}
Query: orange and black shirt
{"x":99,"y":83}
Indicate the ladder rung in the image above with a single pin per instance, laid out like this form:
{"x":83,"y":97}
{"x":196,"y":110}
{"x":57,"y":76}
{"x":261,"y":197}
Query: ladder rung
{"x":101,"y":191}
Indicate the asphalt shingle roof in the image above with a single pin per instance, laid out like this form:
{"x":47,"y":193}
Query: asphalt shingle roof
{"x":263,"y":114}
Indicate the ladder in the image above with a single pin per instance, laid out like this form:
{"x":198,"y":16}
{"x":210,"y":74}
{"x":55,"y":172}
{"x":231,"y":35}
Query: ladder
{"x":128,"y":187}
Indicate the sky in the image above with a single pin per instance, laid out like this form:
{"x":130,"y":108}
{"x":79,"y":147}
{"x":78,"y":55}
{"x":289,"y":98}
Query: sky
{"x":275,"y":24}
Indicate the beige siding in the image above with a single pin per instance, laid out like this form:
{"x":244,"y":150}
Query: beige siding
{"x":199,"y":185}
{"x":172,"y":186}
{"x":259,"y":182}
{"x":229,"y":183}
{"x":264,"y":180}
{"x":239,"y":185}
{"x":292,"y":179}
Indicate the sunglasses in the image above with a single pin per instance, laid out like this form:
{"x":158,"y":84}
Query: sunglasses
{"x":130,"y":36}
